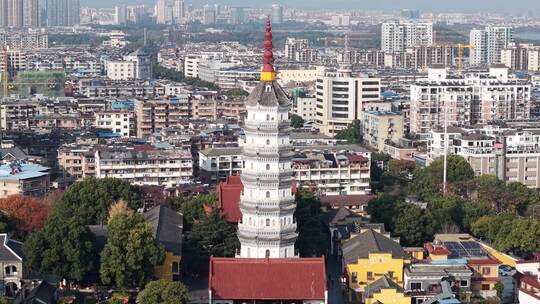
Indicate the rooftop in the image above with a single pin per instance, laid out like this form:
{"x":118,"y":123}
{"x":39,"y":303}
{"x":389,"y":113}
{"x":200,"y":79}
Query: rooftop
{"x":267,"y":279}
{"x":21,"y":171}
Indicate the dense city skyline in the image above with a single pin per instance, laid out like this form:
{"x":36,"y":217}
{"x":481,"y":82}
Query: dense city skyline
{"x":501,"y":6}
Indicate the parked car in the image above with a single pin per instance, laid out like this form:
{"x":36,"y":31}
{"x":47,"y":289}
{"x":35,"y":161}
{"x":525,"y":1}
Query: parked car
{"x":505,"y":270}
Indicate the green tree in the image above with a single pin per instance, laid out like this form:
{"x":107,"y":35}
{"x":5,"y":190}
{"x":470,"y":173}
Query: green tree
{"x":211,"y":236}
{"x":297,"y":122}
{"x":131,"y":252}
{"x":89,"y":200}
{"x":312,"y":241}
{"x":428,"y":181}
{"x":352,"y":134}
{"x":163,"y":292}
{"x":383,"y":210}
{"x":63,"y":247}
{"x":413,"y":225}
{"x":193,"y":209}
{"x":447,"y":213}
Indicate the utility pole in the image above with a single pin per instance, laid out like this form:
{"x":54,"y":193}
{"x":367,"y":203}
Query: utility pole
{"x":445,"y":148}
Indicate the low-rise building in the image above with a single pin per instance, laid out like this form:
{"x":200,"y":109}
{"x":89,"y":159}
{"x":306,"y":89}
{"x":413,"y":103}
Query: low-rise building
{"x":77,"y":161}
{"x":11,"y":265}
{"x":215,"y":164}
{"x":145,"y":165}
{"x":380,"y":128}
{"x":24,"y":179}
{"x":119,"y":122}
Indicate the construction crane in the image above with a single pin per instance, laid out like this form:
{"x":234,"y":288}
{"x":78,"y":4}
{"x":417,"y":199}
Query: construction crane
{"x":460,"y":48}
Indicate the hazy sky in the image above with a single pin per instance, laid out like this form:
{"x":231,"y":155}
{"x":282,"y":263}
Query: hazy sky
{"x":426,"y":5}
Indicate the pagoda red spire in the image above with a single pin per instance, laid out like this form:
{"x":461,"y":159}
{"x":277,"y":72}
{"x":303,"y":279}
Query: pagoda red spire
{"x":268,"y":57}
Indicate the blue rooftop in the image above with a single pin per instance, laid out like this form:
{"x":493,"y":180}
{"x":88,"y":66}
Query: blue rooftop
{"x":27,"y":171}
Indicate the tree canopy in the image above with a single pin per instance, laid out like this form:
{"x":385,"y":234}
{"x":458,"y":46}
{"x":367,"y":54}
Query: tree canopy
{"x":297,"y":122}
{"x":64,"y":247}
{"x":90,"y":199}
{"x":131,"y":253}
{"x":352,"y":133}
{"x":27,"y":214}
{"x":211,"y":236}
{"x":312,"y":241}
{"x":163,"y":292}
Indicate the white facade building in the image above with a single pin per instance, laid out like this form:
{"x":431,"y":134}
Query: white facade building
{"x":488,"y":44}
{"x":120,"y":122}
{"x":398,"y":36}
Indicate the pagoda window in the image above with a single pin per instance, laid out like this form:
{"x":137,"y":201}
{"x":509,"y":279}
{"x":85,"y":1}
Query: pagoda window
{"x":267,"y":253}
{"x":267,"y":194}
{"x":268,"y":141}
{"x":267,"y":116}
{"x":267,"y":166}
{"x":267,"y":222}
{"x":285,"y":255}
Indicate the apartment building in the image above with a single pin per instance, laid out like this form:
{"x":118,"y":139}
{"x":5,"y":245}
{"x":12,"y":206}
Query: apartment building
{"x":488,"y":44}
{"x":299,"y":50}
{"x":512,"y":155}
{"x":516,"y":56}
{"x":333,"y":173}
{"x":380,"y":128}
{"x":16,"y":115}
{"x":398,"y":36}
{"x":306,"y":107}
{"x":145,"y":165}
{"x":77,"y":160}
{"x":136,"y":65}
{"x":21,"y":178}
{"x":155,"y":115}
{"x":216,"y":164}
{"x":16,"y":61}
{"x":191,"y":66}
{"x":23,"y":40}
{"x":119,"y":122}
{"x":340,"y":98}
{"x":330,"y":169}
{"x":467,"y":99}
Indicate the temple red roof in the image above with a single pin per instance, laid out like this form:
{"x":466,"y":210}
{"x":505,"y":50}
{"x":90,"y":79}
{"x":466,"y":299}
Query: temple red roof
{"x":228,"y":201}
{"x":267,"y":279}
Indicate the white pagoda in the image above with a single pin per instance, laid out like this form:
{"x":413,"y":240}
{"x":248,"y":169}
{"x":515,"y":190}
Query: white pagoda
{"x":268,"y":227}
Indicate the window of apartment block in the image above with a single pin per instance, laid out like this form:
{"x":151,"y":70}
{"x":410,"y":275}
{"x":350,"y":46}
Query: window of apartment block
{"x":416,"y":286}
{"x":485,"y":286}
{"x":463,"y":283}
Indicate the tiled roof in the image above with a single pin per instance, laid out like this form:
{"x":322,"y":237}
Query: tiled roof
{"x":368,"y":242}
{"x":267,"y":279}
{"x":276,"y":96}
{"x":10,"y":250}
{"x":381,"y":283}
{"x":229,"y":198}
{"x":168,"y":227}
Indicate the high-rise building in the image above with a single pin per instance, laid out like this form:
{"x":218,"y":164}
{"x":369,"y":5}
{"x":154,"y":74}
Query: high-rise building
{"x":277,"y":13}
{"x":179,"y":11}
{"x":3,"y":13}
{"x":209,"y":15}
{"x":340,"y":97}
{"x":396,"y":37}
{"x":488,"y":44}
{"x":237,"y":15}
{"x":63,"y":12}
{"x":268,"y":227}
{"x":136,"y":13}
{"x":120,"y":14}
{"x":31,"y":13}
{"x":15,"y":13}
{"x":467,"y":99}
{"x":164,"y":12}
